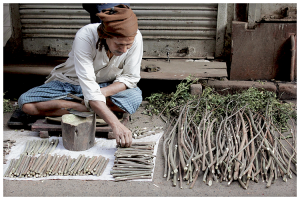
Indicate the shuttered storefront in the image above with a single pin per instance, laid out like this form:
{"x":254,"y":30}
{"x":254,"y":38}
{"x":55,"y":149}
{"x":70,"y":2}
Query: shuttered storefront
{"x":177,"y":30}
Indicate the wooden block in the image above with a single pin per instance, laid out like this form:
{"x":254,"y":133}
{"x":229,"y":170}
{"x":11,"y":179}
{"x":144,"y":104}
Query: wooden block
{"x":110,"y":135}
{"x":44,"y":134}
{"x":78,"y":133}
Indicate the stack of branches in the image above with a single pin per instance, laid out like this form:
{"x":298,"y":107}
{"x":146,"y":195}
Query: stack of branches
{"x":35,"y":147}
{"x":7,"y":144}
{"x":45,"y":165}
{"x":239,"y":144}
{"x":243,"y":136}
{"x":138,"y":133}
{"x":135,"y":162}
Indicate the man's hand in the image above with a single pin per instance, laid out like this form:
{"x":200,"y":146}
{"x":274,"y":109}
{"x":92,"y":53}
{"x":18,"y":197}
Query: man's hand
{"x":122,"y":135}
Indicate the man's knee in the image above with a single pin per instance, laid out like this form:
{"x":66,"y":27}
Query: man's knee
{"x":30,"y":109}
{"x":128,"y":100}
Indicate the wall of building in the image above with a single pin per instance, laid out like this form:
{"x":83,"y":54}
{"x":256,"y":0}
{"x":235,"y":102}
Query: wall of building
{"x":261,"y":43}
{"x":6,"y":23}
{"x":252,"y":14}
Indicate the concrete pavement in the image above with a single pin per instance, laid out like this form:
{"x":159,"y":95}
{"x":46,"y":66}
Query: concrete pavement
{"x":159,"y":187}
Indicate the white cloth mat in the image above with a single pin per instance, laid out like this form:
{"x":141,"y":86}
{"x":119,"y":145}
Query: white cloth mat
{"x":104,"y":147}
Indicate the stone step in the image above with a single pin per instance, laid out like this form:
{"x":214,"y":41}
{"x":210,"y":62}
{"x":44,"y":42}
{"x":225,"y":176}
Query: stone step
{"x":284,"y":90}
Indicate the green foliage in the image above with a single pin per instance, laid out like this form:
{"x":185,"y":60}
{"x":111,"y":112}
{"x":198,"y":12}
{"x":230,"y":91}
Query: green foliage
{"x":159,"y":102}
{"x":257,"y":100}
{"x":7,"y":107}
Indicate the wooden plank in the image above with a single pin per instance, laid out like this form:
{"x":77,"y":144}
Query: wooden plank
{"x":176,"y":69}
{"x":36,"y":70}
{"x":185,"y":64}
{"x":180,"y":76}
{"x":42,"y":125}
{"x":180,"y":69}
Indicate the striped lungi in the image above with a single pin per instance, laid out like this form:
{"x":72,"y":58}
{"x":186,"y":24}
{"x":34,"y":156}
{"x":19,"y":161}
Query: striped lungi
{"x":128,"y":100}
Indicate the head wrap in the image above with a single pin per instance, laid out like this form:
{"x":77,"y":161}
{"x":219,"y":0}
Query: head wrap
{"x":118,"y":21}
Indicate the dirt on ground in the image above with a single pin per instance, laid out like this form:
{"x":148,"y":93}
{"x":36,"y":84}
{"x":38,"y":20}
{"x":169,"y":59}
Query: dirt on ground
{"x":159,"y":187}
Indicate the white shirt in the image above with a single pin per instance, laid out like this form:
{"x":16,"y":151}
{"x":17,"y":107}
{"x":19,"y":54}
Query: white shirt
{"x":87,"y":66}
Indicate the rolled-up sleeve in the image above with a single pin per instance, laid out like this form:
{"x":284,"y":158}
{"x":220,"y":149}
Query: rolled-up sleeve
{"x":83,"y":60}
{"x":132,"y":65}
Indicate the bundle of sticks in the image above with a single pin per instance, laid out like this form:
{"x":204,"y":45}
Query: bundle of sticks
{"x":135,"y":162}
{"x":44,"y":146}
{"x":7,"y":144}
{"x":241,"y":146}
{"x":55,"y":165}
{"x":138,"y":133}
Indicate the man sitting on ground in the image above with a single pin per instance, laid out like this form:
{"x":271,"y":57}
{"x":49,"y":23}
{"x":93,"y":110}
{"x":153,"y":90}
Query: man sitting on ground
{"x":103,"y":67}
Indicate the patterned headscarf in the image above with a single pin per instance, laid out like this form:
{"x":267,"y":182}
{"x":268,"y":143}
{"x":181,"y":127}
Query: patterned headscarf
{"x":118,"y":21}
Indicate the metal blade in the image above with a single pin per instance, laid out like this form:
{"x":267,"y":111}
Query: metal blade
{"x":80,"y":114}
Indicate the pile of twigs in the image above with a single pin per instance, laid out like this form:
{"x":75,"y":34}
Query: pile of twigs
{"x":138,"y":132}
{"x":135,"y":162}
{"x":241,"y":145}
{"x":55,"y":165}
{"x":7,"y":144}
{"x":45,"y":146}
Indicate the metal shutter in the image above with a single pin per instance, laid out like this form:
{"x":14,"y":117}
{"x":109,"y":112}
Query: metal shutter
{"x":181,"y":30}
{"x":50,"y":28}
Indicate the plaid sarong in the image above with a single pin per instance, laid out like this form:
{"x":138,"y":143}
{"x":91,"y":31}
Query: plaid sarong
{"x":128,"y":100}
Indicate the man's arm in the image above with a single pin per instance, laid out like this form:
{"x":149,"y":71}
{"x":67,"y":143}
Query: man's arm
{"x":112,"y":89}
{"x":122,"y":134}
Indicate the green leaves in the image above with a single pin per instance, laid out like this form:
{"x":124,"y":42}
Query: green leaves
{"x":256,"y":99}
{"x":167,"y":102}
{"x":7,"y":107}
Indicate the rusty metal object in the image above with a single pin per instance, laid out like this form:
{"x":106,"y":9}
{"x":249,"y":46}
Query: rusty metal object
{"x":151,"y":68}
{"x":293,"y":57}
{"x":261,"y":53}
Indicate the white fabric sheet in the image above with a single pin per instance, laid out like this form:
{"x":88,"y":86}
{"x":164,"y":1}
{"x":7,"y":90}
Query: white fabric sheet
{"x":104,"y":147}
